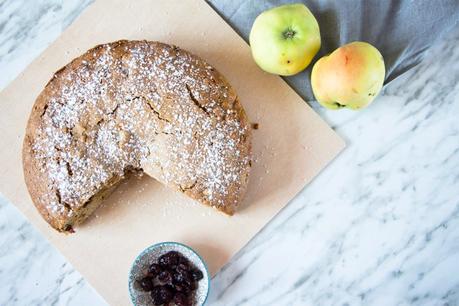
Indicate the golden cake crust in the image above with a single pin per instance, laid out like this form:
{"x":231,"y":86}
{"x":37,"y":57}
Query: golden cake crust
{"x":134,"y":106}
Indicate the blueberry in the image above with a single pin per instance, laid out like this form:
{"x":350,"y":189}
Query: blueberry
{"x":165,"y":277}
{"x":154,"y":270}
{"x":170,"y":259}
{"x":162,"y":294}
{"x":156,"y":296}
{"x":168,"y":293}
{"x":191,"y":285}
{"x":182,"y":288}
{"x":197,"y":274}
{"x":181,"y":299}
{"x":183,"y":267}
{"x":182,"y":259}
{"x":181,"y":276}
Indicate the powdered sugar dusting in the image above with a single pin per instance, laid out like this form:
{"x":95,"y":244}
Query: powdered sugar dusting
{"x":140,"y":105}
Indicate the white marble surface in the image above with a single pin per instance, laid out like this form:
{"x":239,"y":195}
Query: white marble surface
{"x":380,"y":226}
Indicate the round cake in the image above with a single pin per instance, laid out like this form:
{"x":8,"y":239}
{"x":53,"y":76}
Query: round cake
{"x":134,"y":107}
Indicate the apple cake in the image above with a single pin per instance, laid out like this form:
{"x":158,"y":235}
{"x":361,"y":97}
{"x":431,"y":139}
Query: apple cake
{"x":134,"y":106}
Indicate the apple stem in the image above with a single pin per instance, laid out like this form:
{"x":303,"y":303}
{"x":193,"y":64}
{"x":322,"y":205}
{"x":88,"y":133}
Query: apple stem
{"x":289,"y":33}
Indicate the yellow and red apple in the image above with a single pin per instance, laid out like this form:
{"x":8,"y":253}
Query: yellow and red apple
{"x":351,"y":76}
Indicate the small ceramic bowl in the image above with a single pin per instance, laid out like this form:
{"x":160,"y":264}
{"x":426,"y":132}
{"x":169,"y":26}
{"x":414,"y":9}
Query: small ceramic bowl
{"x":151,"y":255}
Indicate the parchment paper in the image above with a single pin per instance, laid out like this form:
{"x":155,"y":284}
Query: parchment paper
{"x":291,"y":146}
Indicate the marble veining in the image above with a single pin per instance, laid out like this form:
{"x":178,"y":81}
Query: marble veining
{"x":379,"y":226}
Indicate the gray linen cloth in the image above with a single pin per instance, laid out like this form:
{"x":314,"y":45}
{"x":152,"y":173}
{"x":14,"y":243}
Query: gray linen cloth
{"x":402,"y":30}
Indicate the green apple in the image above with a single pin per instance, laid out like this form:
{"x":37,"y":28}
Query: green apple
{"x":351,"y":76}
{"x":285,"y":39}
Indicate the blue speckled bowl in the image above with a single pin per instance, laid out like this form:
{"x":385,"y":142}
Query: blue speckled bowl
{"x":150,"y":255}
